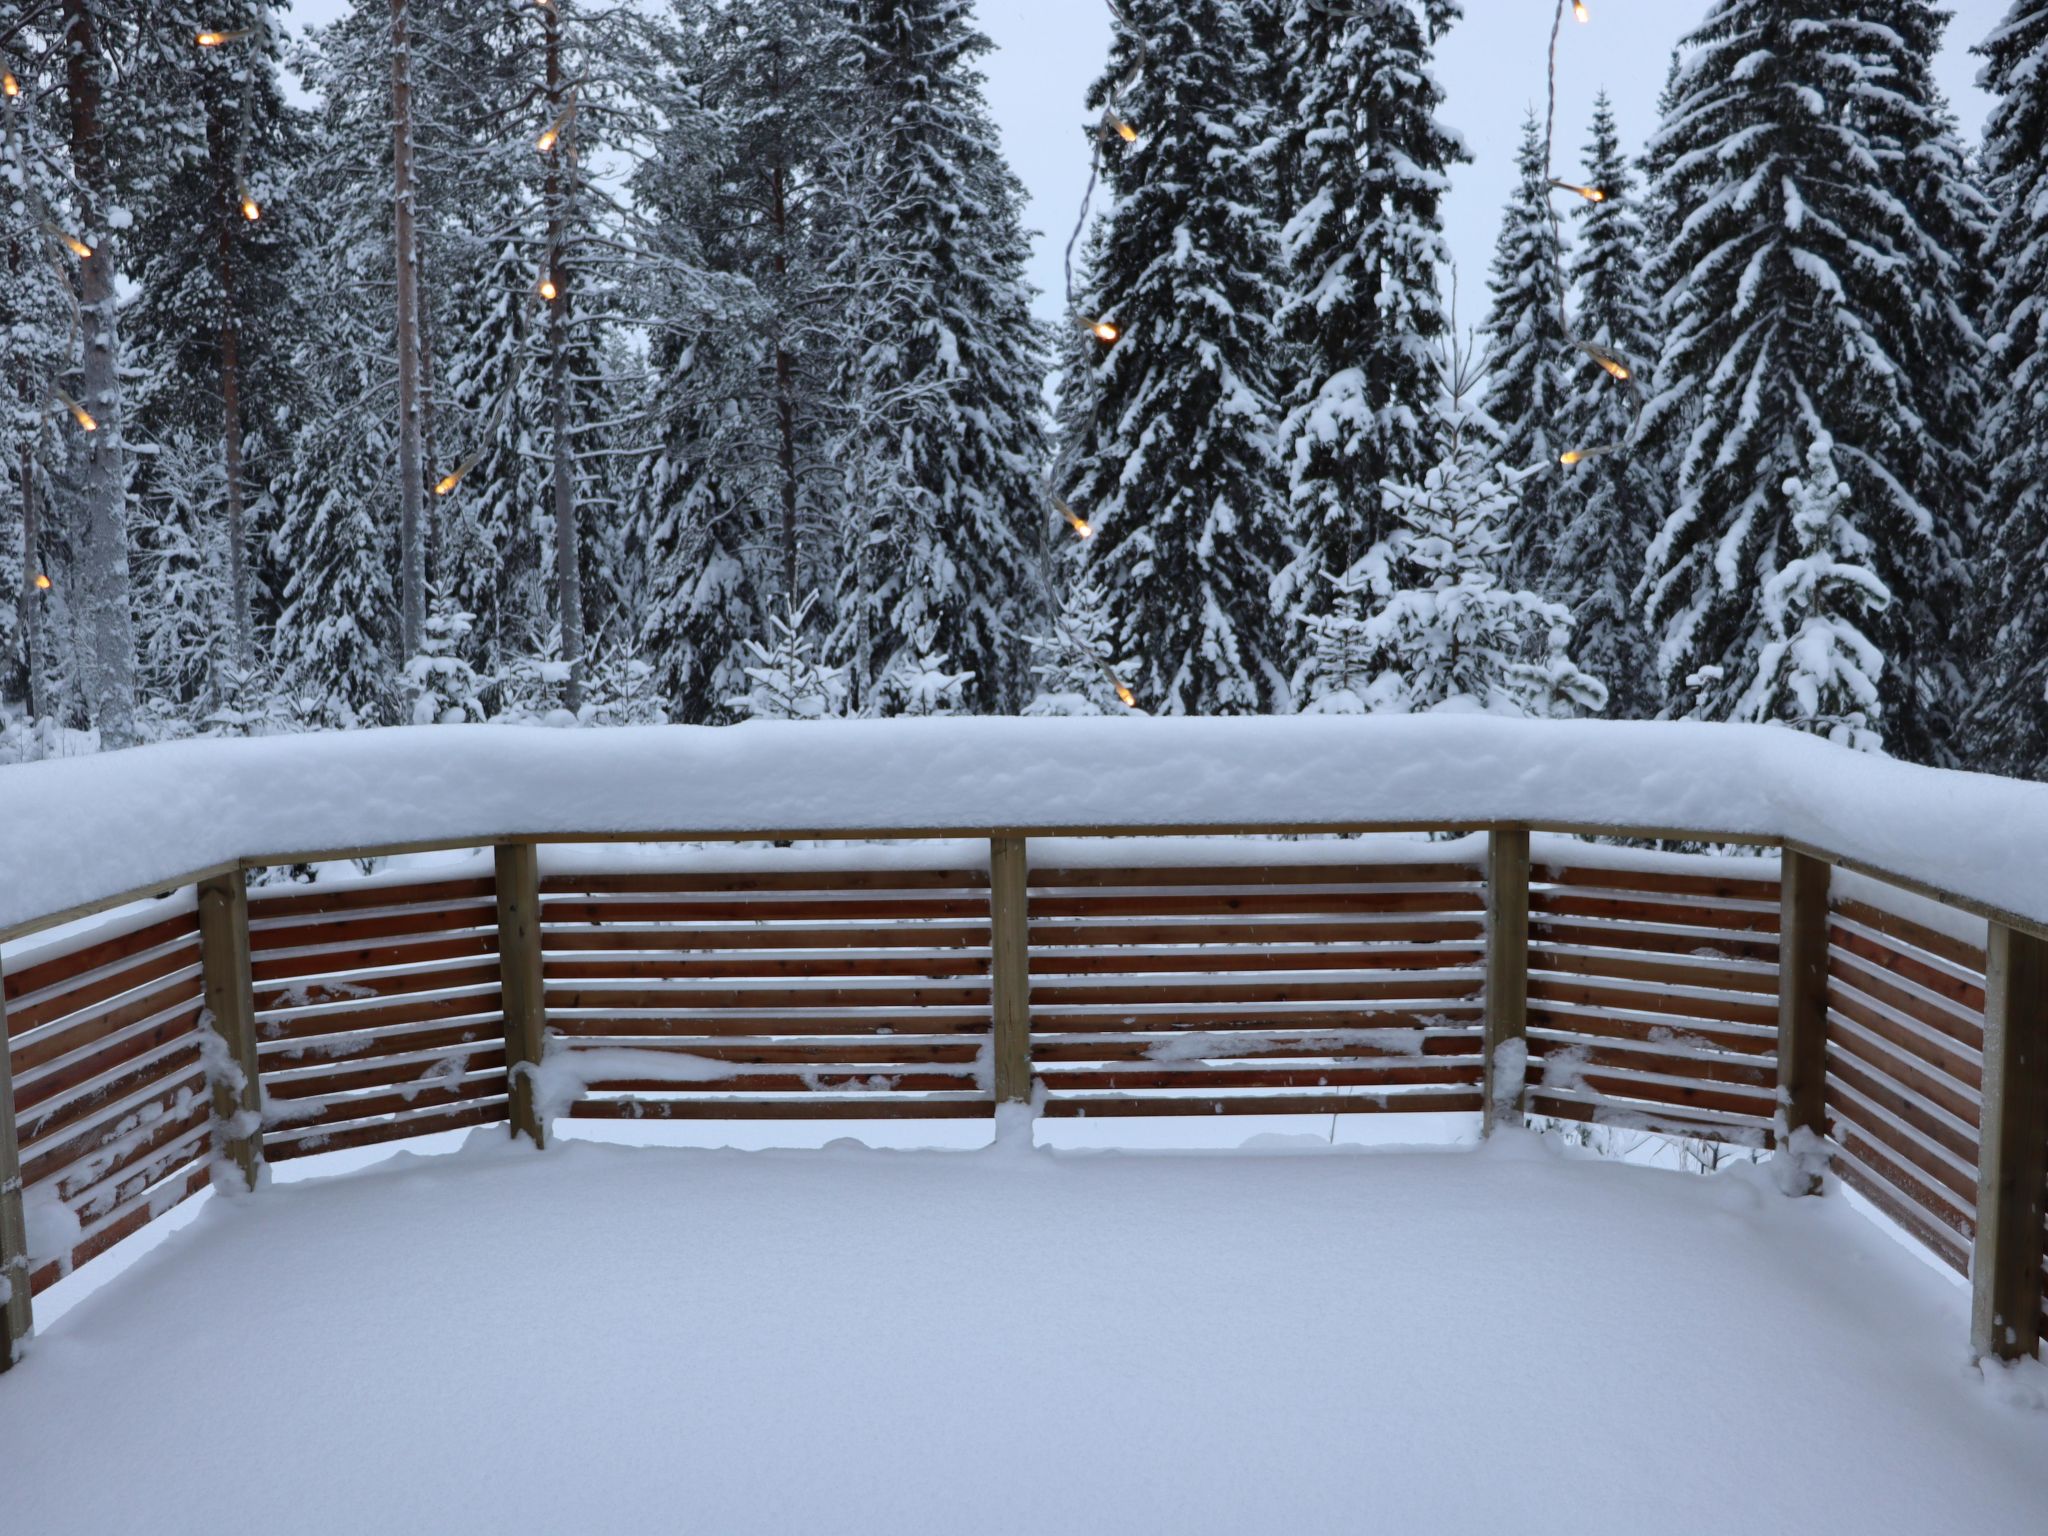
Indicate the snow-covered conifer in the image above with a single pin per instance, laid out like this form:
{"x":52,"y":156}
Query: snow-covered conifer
{"x":789,"y":681}
{"x":1177,"y":471}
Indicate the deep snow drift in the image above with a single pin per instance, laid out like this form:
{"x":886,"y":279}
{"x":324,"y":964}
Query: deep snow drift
{"x":856,"y":1341}
{"x":86,"y":829}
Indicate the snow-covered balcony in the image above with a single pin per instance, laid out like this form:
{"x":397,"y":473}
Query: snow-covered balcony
{"x":1038,"y":938}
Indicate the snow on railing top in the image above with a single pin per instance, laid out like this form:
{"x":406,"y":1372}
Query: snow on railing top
{"x":84,"y":830}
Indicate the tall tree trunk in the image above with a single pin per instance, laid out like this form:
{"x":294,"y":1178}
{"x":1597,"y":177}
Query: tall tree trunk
{"x":31,"y":567}
{"x":412,"y":572}
{"x":225,"y":160}
{"x":107,"y":658}
{"x":785,"y":365}
{"x":568,"y":554}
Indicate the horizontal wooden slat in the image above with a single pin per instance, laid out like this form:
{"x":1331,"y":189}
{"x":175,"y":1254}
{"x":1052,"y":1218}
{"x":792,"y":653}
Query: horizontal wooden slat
{"x":867,"y":1107}
{"x":1924,"y":1115}
{"x":153,"y":972}
{"x":620,"y":939}
{"x":1244,"y":1019}
{"x":1694,"y":1099}
{"x":1659,"y":1000}
{"x":281,"y":1146}
{"x":181,"y":1186}
{"x":59,"y":1093}
{"x":879,"y":1081}
{"x":1563,"y":902}
{"x":365,"y":986}
{"x":1945,"y":1244}
{"x":879,"y":1051}
{"x":740,"y":882}
{"x":1658,"y":1120}
{"x":1913,"y":1184}
{"x":111,"y":1036}
{"x":1049,"y":963}
{"x":407,"y":923}
{"x":271,"y":902}
{"x":94,"y":955}
{"x":334,"y":960}
{"x":1201,"y":1079}
{"x":1621,"y":1024}
{"x":346,"y":1109}
{"x":1849,"y":1042}
{"x":284,"y":1055}
{"x":1715,"y":1067}
{"x":116,"y":1187}
{"x":1228,"y":904}
{"x":589,"y":995}
{"x":767,"y":909}
{"x":1416,"y":1101}
{"x":707,"y":968}
{"x":1705,"y":975}
{"x":1707,"y":944}
{"x":1356,"y":931}
{"x":1847,"y":1109}
{"x":411,"y":1067}
{"x":1965,"y":992}
{"x":376,"y":1017}
{"x":1230,"y":875}
{"x":749,"y":1024}
{"x":1870,"y":982}
{"x":77,"y":1161}
{"x":1911,"y":1036}
{"x":1228,"y":1047}
{"x":1055,"y":995}
{"x":1968,"y":956}
{"x":1660,"y":881}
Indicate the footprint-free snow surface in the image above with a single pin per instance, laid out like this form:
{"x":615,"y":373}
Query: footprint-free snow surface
{"x":604,"y":1339}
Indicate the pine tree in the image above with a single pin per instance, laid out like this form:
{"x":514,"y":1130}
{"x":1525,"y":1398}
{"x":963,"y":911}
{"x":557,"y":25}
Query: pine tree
{"x":1609,"y":506}
{"x":1367,"y":163}
{"x":2010,"y":720}
{"x":183,"y":609}
{"x":1449,"y":633}
{"x":1075,"y":662}
{"x":1529,"y":360}
{"x":1338,"y":675}
{"x":445,"y":689}
{"x":1793,"y":290}
{"x":1818,"y":671}
{"x":941,"y":201}
{"x":789,"y":680}
{"x":1177,"y":470}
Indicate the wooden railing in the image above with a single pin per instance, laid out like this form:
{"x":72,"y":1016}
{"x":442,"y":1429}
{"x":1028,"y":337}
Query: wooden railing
{"x":223,"y":1027}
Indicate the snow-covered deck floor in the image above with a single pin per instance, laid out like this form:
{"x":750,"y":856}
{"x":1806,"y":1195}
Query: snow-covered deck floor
{"x":612,"y":1339}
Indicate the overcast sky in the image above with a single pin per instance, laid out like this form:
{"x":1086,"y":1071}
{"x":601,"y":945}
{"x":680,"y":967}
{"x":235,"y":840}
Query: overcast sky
{"x":1492,"y":67}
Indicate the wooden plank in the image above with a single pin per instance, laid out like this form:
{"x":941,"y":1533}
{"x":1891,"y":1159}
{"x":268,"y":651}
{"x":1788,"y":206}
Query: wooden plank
{"x":272,"y":902}
{"x":1848,"y":1042}
{"x":2005,"y":1268}
{"x":638,"y":995}
{"x":1945,"y":1244}
{"x":663,"y":1026}
{"x":1704,"y":974}
{"x":867,"y":1107}
{"x":126,"y":1221}
{"x":767,"y":909}
{"x":1846,"y":1074}
{"x":1204,"y":1079}
{"x":1610,"y":1024}
{"x":1460,"y":1044}
{"x":1717,"y":1067}
{"x":1250,"y":991}
{"x":1228,"y":904}
{"x":1240,"y":960}
{"x":1125,"y":1021}
{"x":425,"y":922}
{"x":1924,"y":1193}
{"x":85,"y":1102}
{"x":1803,"y":1018}
{"x":1592,"y":934}
{"x":231,"y":1015}
{"x":43,"y":1159}
{"x":1966,"y":992}
{"x":1964,"y":1027}
{"x":1550,"y":1104}
{"x":1956,"y":1176}
{"x":16,"y":1316}
{"x":1909,"y":1036}
{"x":1656,"y":1000}
{"x":381,"y":1018}
{"x":1968,"y":957}
{"x":617,"y":939}
{"x":879,"y":1081}
{"x":369,"y":986}
{"x":392,"y":1073}
{"x":1442,"y":1101}
{"x":93,"y":1051}
{"x":1662,"y":882}
{"x":152,"y":972}
{"x":1507,"y":989}
{"x":348,"y":1109}
{"x":699,"y":967}
{"x":316,"y":960}
{"x":1233,"y":875}
{"x":20,"y":985}
{"x":743,"y":882}
{"x":1565,"y":902}
{"x":523,"y":991}
{"x":1010,"y":924}
{"x":80,"y":1164}
{"x":1360,"y":932}
{"x":280,"y":1146}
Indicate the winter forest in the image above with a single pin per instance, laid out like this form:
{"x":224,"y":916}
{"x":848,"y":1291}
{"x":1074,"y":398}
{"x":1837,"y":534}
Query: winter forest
{"x":592,"y":363}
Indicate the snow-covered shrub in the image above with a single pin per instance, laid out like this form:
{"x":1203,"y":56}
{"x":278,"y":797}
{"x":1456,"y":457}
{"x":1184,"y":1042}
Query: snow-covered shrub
{"x":445,"y":688}
{"x":790,"y":682}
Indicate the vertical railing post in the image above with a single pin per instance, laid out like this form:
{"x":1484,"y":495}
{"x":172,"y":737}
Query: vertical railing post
{"x":231,"y":1015}
{"x":16,"y":1315}
{"x":2005,"y":1268}
{"x":1010,"y":941}
{"x":1803,"y":891}
{"x":1507,"y":977}
{"x":519,"y":970}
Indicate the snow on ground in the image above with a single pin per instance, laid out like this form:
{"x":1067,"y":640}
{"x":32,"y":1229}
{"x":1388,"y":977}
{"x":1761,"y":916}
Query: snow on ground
{"x":88,"y":829}
{"x":850,"y":1340}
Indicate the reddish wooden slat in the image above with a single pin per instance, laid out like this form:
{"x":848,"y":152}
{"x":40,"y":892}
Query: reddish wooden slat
{"x":877,"y":1051}
{"x":1969,"y":956}
{"x":115,"y":1189}
{"x":1910,"y":1037}
{"x":1055,"y":995}
{"x":1357,"y":931}
{"x":1673,"y":973}
{"x":1650,"y":1118}
{"x":152,"y":973}
{"x":269,"y":902}
{"x":1202,"y":1080}
{"x":1415,"y":1101}
{"x":558,"y":939}
{"x":1848,"y":1110}
{"x":1616,"y":1025}
{"x":1945,"y":1244}
{"x":1906,"y":1179}
{"x":347,"y":1111}
{"x":864,"y":1107}
{"x":78,"y":1161}
{"x":65,"y":1087}
{"x":751,"y":1025}
{"x":409,"y":923}
{"x":282,"y":1056}
{"x":409,"y":1068}
{"x":696,"y":968}
{"x":1237,"y":875}
{"x":299,"y":1024}
{"x":740,"y":882}
{"x":1967,"y":993}
{"x":813,"y":911}
{"x":1048,"y":964}
{"x":1718,"y":1067}
{"x":279,"y":1146}
{"x":1662,"y":882}
{"x":821,"y":1081}
{"x":1845,"y":970}
{"x":1586,"y":994}
{"x":63,"y":1144}
{"x":1176,"y":1018}
{"x":153,"y":1016}
{"x":1228,"y":904}
{"x":1624,"y":1089}
{"x":180,"y":1187}
{"x":1565,"y":902}
{"x":1286,"y":1048}
{"x":1592,"y":934}
{"x":95,"y":954}
{"x":1847,"y":1043}
{"x":1923,"y":1114}
{"x":367,"y":986}
{"x":333,"y":960}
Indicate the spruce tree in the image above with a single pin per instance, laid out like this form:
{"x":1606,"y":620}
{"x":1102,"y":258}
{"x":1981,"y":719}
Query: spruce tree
{"x":1530,"y":360}
{"x":1792,"y":293}
{"x":2010,"y":719}
{"x":1366,"y":167}
{"x":1608,"y":507}
{"x":1177,"y":470}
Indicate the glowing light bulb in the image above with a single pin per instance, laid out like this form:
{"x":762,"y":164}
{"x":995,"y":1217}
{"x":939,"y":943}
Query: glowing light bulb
{"x":251,"y":210}
{"x":1102,"y":330}
{"x":10,"y":85}
{"x":447,"y":484}
{"x":1580,"y":12}
{"x":1573,"y":456}
{"x":548,"y":290}
{"x":1125,"y":128}
{"x":546,"y":141}
{"x":42,"y":582}
{"x":78,"y":247}
{"x":1618,"y":369}
{"x":210,"y":39}
{"x":78,"y":412}
{"x":1130,"y":700}
{"x":1590,"y":194}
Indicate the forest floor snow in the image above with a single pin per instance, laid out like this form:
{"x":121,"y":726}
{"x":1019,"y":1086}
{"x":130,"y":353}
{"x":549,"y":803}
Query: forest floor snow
{"x":1283,"y":1339}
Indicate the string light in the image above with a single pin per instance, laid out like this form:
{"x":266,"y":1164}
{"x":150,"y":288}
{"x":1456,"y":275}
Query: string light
{"x":78,"y":412}
{"x":10,"y":85}
{"x":216,"y":39}
{"x":76,"y":246}
{"x":1590,"y":194}
{"x":553,"y":132}
{"x":1078,"y":523}
{"x":1122,"y":126}
{"x":42,"y":582}
{"x":1615,"y":367}
{"x":251,"y":209}
{"x":446,"y":484}
{"x":1101,"y":330}
{"x":1580,"y":12}
{"x":548,"y":290}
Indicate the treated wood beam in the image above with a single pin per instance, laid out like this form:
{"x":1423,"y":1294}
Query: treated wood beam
{"x":2005,"y":1268}
{"x":1010,"y":930}
{"x":1507,"y":976}
{"x":231,"y":1015}
{"x":16,"y":1315}
{"x":519,"y":969}
{"x":1802,"y":1010}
